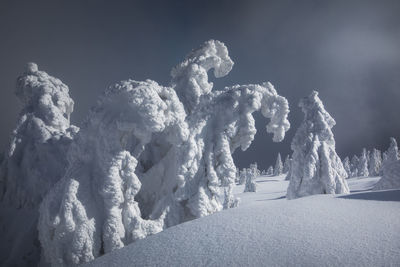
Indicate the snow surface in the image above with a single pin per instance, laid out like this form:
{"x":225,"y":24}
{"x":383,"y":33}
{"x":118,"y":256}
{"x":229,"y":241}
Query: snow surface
{"x":359,"y":229}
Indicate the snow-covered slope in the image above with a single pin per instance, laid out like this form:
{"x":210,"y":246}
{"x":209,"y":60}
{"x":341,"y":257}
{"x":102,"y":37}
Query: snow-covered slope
{"x":360,"y":229}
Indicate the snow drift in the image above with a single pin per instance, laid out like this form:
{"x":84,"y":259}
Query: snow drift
{"x":149,"y":157}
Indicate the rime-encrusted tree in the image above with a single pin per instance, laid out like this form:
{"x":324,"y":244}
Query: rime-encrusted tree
{"x":243,"y":175}
{"x":156,"y":156}
{"x":286,"y":164}
{"x":251,"y":185}
{"x":390,"y":178}
{"x":316,"y":168}
{"x":270,"y":170}
{"x":375,"y":163}
{"x":363,"y":164}
{"x":354,"y":166}
{"x":289,"y":173}
{"x":35,"y":160}
{"x":392,"y":154}
{"x":278,"y":165}
{"x":346,"y":166}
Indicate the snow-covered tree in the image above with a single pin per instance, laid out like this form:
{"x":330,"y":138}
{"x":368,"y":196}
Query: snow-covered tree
{"x":278,"y":165}
{"x":392,"y":154}
{"x":346,"y":166}
{"x":270,"y":170}
{"x":375,"y":162}
{"x":243,"y":174}
{"x":390,"y":178}
{"x":363,"y":164}
{"x":316,"y":168}
{"x":251,"y":185}
{"x":156,"y":156}
{"x":34,"y":162}
{"x":289,"y":173}
{"x":286,"y":165}
{"x":354,"y":166}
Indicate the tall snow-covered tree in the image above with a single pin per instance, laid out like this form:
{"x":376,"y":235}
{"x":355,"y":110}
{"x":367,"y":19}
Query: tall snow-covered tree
{"x":354,"y":166}
{"x":286,"y":164}
{"x":316,"y":168}
{"x":270,"y":170}
{"x":156,"y":156}
{"x":346,"y":166}
{"x":34,"y":162}
{"x":375,"y":163}
{"x":278,"y":165}
{"x":289,"y":173}
{"x":363,"y":164}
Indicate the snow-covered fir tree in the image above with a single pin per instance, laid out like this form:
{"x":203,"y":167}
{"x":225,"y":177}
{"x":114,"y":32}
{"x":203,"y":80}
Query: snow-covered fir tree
{"x":157,"y":156}
{"x":251,"y":185}
{"x":390,"y":178}
{"x":316,"y":168}
{"x":278,"y":165}
{"x":270,"y":170}
{"x":354,"y":166}
{"x":286,"y":165}
{"x":34,"y":162}
{"x":363,"y":164}
{"x":375,"y":163}
{"x":289,"y":173}
{"x":243,"y":174}
{"x":392,"y":154}
{"x":346,"y":166}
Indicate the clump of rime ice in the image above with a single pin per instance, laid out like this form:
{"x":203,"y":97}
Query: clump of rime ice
{"x":35,"y":159}
{"x":315,"y":168}
{"x":150,"y":157}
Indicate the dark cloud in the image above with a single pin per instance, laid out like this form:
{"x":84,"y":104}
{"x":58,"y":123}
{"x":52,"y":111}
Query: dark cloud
{"x":348,"y":50}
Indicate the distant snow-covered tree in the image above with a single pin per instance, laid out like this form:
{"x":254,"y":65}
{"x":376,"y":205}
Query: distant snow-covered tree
{"x":375,"y":163}
{"x":363,"y":164}
{"x":243,"y":175}
{"x":270,"y":170}
{"x":390,"y":178}
{"x":251,"y":185}
{"x":316,"y":168}
{"x":346,"y":166}
{"x":392,"y":154}
{"x":354,"y":166}
{"x":278,"y":165}
{"x":286,"y":164}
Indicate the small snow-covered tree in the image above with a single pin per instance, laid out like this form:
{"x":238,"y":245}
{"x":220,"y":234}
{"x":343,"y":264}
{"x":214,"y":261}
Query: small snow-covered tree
{"x":363,"y":164}
{"x":149,"y":157}
{"x":270,"y":170}
{"x":278,"y":165}
{"x":346,"y":166}
{"x":390,"y":178}
{"x":286,"y":165}
{"x":375,"y":162}
{"x":354,"y":166}
{"x":251,"y":185}
{"x":243,"y":175}
{"x":392,"y":154}
{"x":316,"y":168}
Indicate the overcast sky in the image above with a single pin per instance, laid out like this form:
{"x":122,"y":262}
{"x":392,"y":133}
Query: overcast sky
{"x":349,"y":51}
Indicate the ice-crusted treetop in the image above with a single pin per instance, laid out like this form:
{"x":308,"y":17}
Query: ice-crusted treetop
{"x":190,"y":78}
{"x":46,"y":97}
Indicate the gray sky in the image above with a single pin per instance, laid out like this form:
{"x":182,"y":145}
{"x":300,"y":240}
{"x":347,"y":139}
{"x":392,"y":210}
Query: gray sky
{"x":347,"y":50}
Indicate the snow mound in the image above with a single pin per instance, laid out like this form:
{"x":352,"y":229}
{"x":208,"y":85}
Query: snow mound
{"x":318,"y":230}
{"x":390,"y":178}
